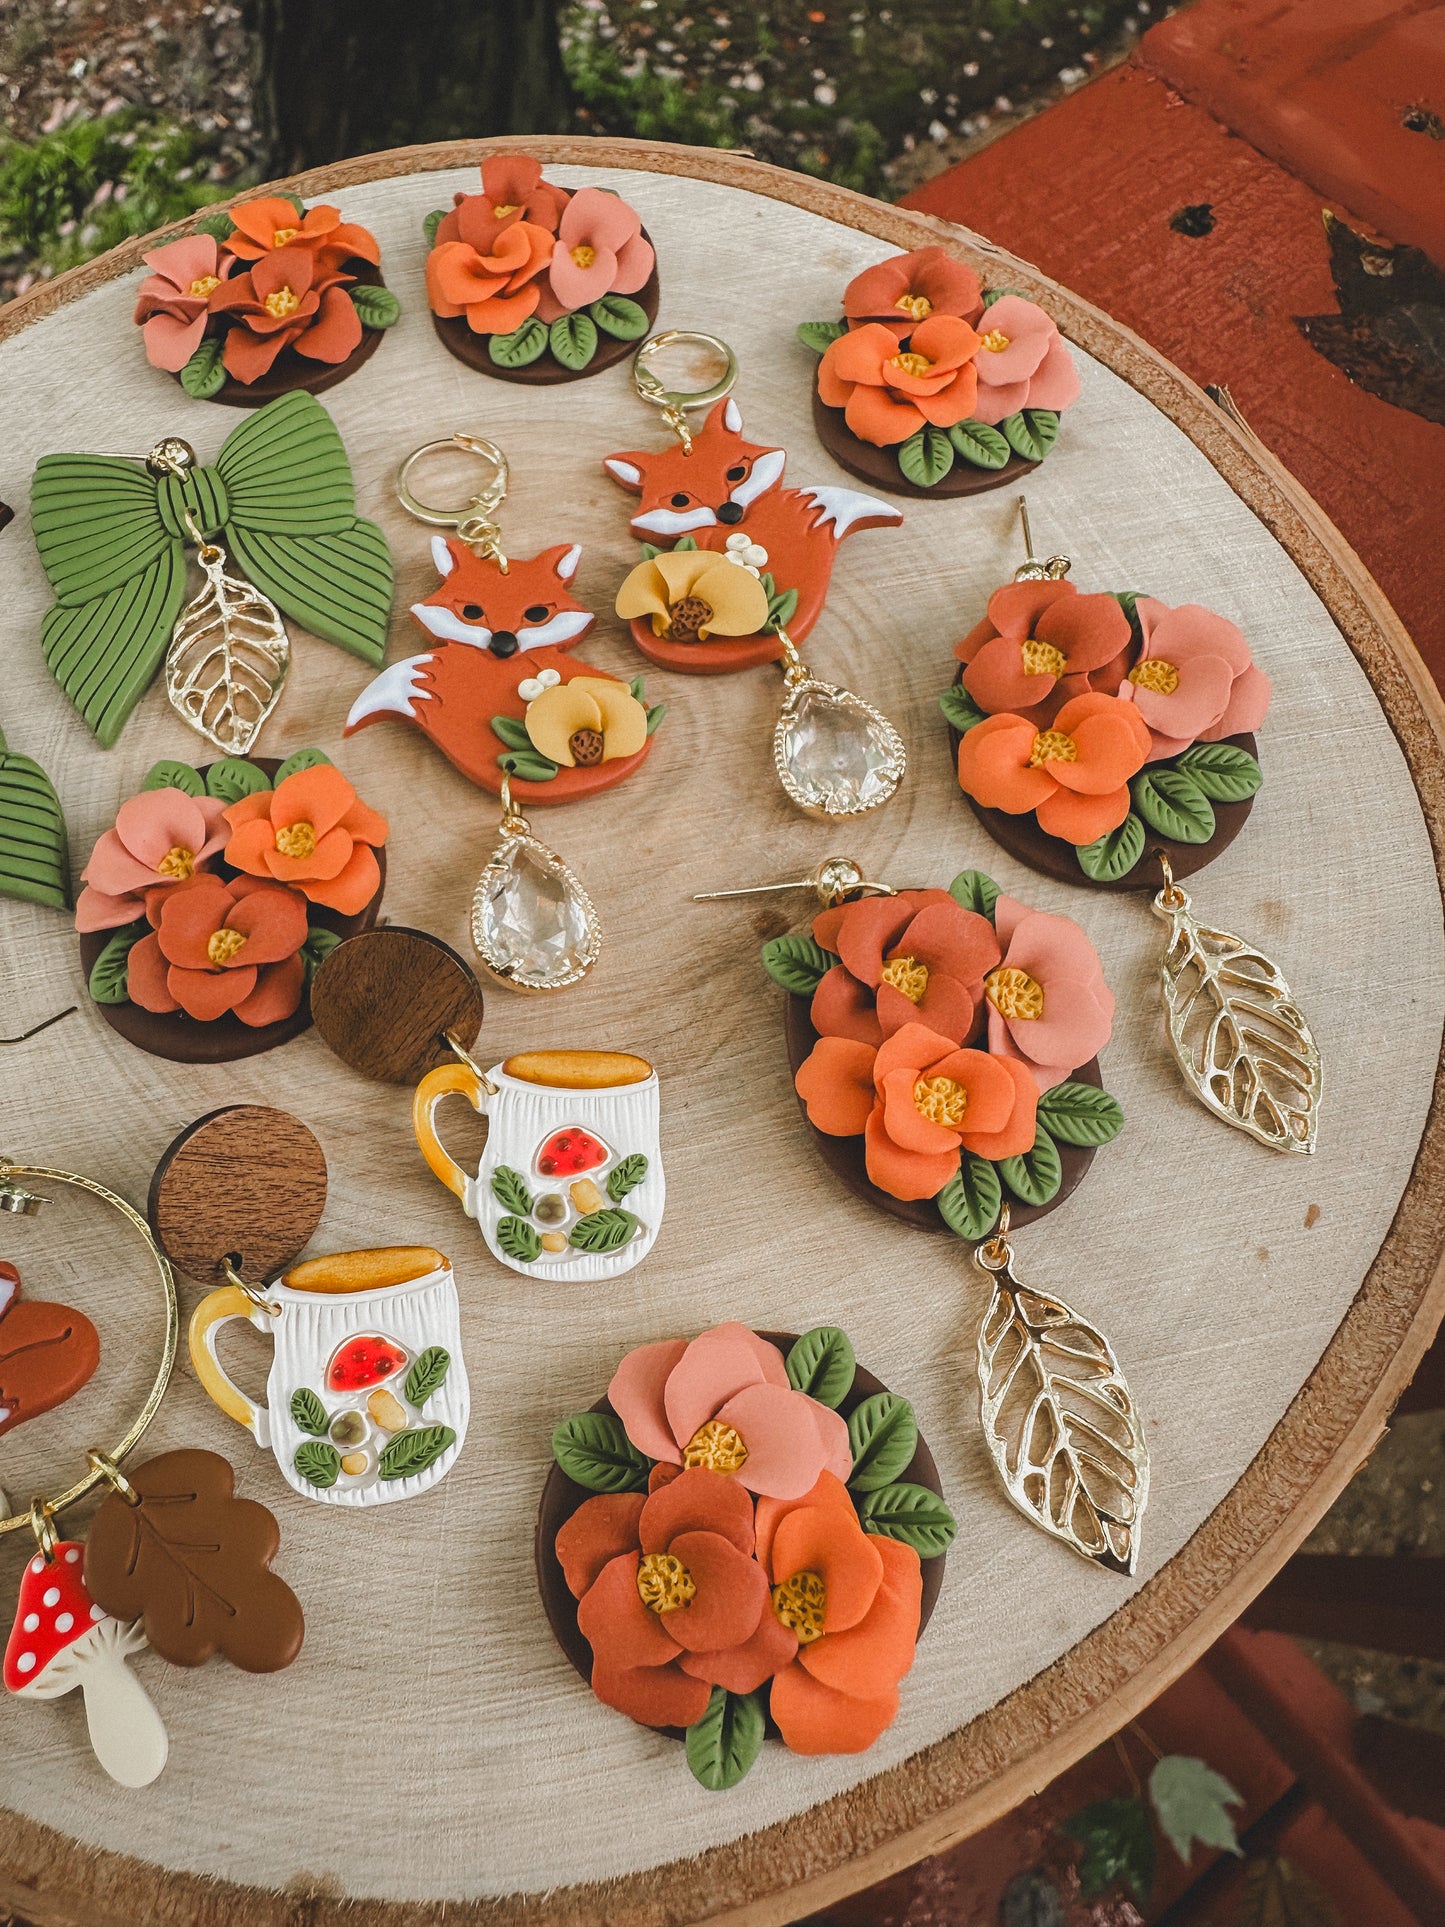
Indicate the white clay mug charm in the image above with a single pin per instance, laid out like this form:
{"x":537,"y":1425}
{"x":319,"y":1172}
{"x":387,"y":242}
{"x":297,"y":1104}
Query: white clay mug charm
{"x":570,"y":1187}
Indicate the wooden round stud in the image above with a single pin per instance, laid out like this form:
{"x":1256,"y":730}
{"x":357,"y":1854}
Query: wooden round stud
{"x":384,"y":1001}
{"x":246,"y":1183}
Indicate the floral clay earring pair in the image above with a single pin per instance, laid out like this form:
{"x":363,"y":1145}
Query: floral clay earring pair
{"x":1098,"y":736}
{"x":501,"y":697}
{"x":735,"y":572}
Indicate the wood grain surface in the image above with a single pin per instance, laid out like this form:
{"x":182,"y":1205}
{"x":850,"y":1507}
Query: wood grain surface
{"x":384,"y":1001}
{"x":244,"y":1185}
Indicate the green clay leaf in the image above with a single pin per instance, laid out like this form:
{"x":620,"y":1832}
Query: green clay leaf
{"x":573,"y":340}
{"x":204,"y":374}
{"x":990,"y":295}
{"x":375,"y":307}
{"x":655,"y":715}
{"x":298,"y":205}
{"x":927,"y":456}
{"x":1224,"y":773}
{"x":510,"y":1190}
{"x":303,"y":759}
{"x":819,"y":335}
{"x":514,"y":734}
{"x":626,"y":1176}
{"x":167,"y":775}
{"x":519,"y":1240}
{"x":637,"y":689}
{"x":979,"y":445}
{"x":1171,"y":802}
{"x":220,"y":227}
{"x":1118,"y":1845}
{"x":725,"y":1742}
{"x":522,"y":347}
{"x":1114,"y":855}
{"x":318,"y":1462}
{"x":427,"y":1375}
{"x":34,"y":860}
{"x":615,"y":315}
{"x":782,"y":608}
{"x":969,"y":1203}
{"x":1126,"y":599}
{"x":1035,"y":1177}
{"x":1080,"y":1114}
{"x":960,"y":708}
{"x":432,"y":222}
{"x":594,"y":1451}
{"x":412,"y":1452}
{"x":233,"y":777}
{"x":797,"y":963}
{"x":883,"y":1435}
{"x":822,"y":1364}
{"x":1193,"y":1802}
{"x":650,"y":551}
{"x":911,"y":1513}
{"x":528,"y":764}
{"x":1031,"y":433}
{"x":975,"y":891}
{"x":685,"y":545}
{"x":308,"y":1413}
{"x":319,"y":944}
{"x":603,"y":1231}
{"x":110,"y":972}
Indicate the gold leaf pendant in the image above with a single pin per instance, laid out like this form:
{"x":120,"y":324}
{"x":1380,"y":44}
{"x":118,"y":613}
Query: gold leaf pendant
{"x":1245,"y":1049}
{"x":1060,"y":1421}
{"x":228,"y":657}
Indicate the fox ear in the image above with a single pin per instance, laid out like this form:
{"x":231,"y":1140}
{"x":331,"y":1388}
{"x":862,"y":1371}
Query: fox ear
{"x":626,"y":468}
{"x":566,"y":565}
{"x":732,"y":417}
{"x":444,"y":555}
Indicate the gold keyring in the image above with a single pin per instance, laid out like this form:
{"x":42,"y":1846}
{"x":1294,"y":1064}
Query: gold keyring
{"x":105,"y":1467}
{"x":44,"y":1530}
{"x":650,"y":387}
{"x":485,"y":502}
{"x":112,"y":1459}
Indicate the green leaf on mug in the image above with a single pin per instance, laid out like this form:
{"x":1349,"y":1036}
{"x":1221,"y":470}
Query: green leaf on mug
{"x":317,"y":1462}
{"x":308,"y":1412}
{"x":626,"y":1176}
{"x":519,"y":1240}
{"x":427,"y":1375}
{"x":412,"y":1452}
{"x":602,"y":1231}
{"x":510,"y":1191}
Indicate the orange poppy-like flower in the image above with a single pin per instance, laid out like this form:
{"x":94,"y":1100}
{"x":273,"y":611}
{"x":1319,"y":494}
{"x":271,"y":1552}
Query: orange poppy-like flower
{"x":853,"y":1601}
{"x":287,"y":299}
{"x":262,"y":227}
{"x":888,"y":392}
{"x":498,"y":290}
{"x":908,"y":289}
{"x":1075,"y":774}
{"x":914,"y":957}
{"x":312,"y":831}
{"x":919,"y":1101}
{"x":512,"y":190}
{"x":1040,"y":644}
{"x":217,"y":948}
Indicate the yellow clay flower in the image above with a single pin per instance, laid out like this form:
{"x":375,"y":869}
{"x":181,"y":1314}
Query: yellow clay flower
{"x":590,"y":719}
{"x":734,"y":600}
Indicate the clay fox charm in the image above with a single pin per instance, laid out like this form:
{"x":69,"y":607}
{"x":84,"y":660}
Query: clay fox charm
{"x":497,"y":691}
{"x":725,"y":485}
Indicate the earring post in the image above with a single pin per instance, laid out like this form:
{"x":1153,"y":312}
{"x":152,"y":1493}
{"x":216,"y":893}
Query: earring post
{"x":1028,"y":532}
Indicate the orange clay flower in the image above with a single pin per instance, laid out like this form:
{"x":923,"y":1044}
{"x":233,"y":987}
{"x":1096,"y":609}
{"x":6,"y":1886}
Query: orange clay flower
{"x":313,"y":832}
{"x":285,"y":300}
{"x":853,"y":1601}
{"x":1040,"y":644}
{"x":217,"y":949}
{"x":512,"y":190}
{"x":887,"y":392}
{"x":1075,"y":774}
{"x":497,"y":291}
{"x":908,"y":289}
{"x":919,"y":1100}
{"x":261,"y":227}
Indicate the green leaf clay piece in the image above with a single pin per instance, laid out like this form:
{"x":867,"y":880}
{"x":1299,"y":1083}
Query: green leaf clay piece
{"x":113,"y":535}
{"x":308,"y":1412}
{"x":427,"y":1375}
{"x":510,"y":1191}
{"x":723,"y":1745}
{"x":822,"y":1364}
{"x":413,"y":1451}
{"x":912,"y":1514}
{"x":603,"y":1231}
{"x":625,"y":1176}
{"x":883,"y":1434}
{"x":318,"y":1462}
{"x":594,"y":1451}
{"x":34,"y":864}
{"x":110,"y":973}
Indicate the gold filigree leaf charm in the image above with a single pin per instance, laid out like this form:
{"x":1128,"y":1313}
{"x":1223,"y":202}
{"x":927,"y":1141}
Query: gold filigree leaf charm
{"x":228,"y":656}
{"x":1245,"y":1049}
{"x":1060,"y":1421}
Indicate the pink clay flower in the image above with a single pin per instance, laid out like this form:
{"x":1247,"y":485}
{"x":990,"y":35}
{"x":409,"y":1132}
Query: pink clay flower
{"x":600,"y":250}
{"x":1022,"y":361}
{"x":173,"y":303}
{"x":1048,"y":1003}
{"x":160,"y":838}
{"x":1195,"y":680}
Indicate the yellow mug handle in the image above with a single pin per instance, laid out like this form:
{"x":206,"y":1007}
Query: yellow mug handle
{"x":447,"y":1080}
{"x":219,"y":1308}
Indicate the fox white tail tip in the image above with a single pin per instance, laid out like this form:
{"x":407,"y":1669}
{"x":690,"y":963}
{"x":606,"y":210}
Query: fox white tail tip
{"x":395,"y":692}
{"x":846,"y":509}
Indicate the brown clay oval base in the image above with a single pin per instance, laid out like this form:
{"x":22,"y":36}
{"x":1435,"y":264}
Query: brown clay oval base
{"x":844,"y":1156}
{"x":224,"y":1040}
{"x":290,"y":371}
{"x":879,"y":466}
{"x":561,"y":1497}
{"x":546,"y":371}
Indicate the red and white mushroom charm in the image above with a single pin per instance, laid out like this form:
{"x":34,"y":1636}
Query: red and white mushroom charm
{"x":62,"y":1639}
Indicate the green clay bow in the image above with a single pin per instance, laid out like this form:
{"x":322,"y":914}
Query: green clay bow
{"x":112,"y":538}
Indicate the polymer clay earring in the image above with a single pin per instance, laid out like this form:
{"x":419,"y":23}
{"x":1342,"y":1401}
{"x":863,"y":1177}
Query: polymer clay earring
{"x":34,"y":861}
{"x":112,"y":536}
{"x":944,"y":1049}
{"x":1103,"y":738}
{"x":933,"y":385}
{"x":47,"y":1353}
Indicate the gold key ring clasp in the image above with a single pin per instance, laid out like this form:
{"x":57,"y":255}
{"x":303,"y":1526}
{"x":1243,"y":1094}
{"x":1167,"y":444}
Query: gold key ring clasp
{"x":675,"y":402}
{"x":474,"y":520}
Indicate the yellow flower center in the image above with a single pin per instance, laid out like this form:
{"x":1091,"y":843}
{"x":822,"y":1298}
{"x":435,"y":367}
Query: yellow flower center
{"x":284,"y":234}
{"x":584,"y":255}
{"x":297,"y":839}
{"x":503,"y":209}
{"x":223,"y":944}
{"x":995,"y":341}
{"x":801,"y":1603}
{"x":907,"y":976}
{"x":942,"y":1100}
{"x":911,"y":363}
{"x":1014,"y":993}
{"x":1053,"y":746}
{"x":1042,"y":659}
{"x":664,"y":1582}
{"x":1154,"y":674}
{"x":178,"y":862}
{"x":202,"y":285}
{"x":918,"y":305}
{"x":281,"y":302}
{"x":716,"y":1447}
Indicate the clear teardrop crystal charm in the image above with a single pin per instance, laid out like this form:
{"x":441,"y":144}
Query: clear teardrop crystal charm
{"x":533,"y":924}
{"x":835,"y":754}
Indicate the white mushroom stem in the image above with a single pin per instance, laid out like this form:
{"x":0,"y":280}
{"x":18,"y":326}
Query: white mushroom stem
{"x":125,"y":1728}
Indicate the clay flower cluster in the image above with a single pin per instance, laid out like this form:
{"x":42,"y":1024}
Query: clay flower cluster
{"x":211,"y":898}
{"x":1104,"y":714}
{"x":950,"y":1025}
{"x":765,"y":1562}
{"x":537,"y":267}
{"x":924,"y":359}
{"x":273,"y":276}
